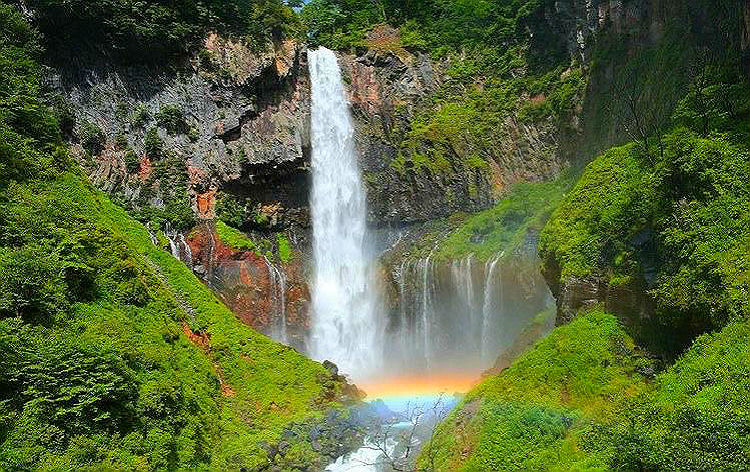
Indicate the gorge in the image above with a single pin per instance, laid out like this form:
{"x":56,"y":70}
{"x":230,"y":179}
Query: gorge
{"x":374,"y":235}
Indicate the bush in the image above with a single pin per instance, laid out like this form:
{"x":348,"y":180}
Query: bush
{"x":153,"y":144}
{"x":696,"y":417}
{"x":132,"y":162}
{"x":92,"y":138}
{"x":121,"y":140}
{"x":230,"y":210}
{"x":32,"y":283}
{"x":172,"y":118}
{"x":140,"y":116}
{"x":179,"y":212}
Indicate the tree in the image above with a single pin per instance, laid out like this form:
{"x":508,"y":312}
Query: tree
{"x":403,"y":439}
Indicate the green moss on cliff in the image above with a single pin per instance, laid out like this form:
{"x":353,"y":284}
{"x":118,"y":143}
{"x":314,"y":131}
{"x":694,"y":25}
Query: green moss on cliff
{"x":236,"y":239}
{"x":506,"y":226}
{"x":502,"y":229}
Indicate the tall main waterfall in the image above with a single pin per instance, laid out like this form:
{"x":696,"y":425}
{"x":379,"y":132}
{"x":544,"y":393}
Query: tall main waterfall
{"x":345,"y":328}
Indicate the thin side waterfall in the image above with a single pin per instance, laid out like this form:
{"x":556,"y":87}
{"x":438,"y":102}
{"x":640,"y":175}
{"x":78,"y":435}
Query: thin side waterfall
{"x":427,"y":310}
{"x":171,"y":235}
{"x":188,"y":252}
{"x":278,"y":299}
{"x":344,"y":296}
{"x":488,"y":308}
{"x":463,"y":279}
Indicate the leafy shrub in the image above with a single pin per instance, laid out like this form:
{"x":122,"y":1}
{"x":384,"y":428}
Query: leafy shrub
{"x":121,"y":140}
{"x":230,"y":210}
{"x":538,"y":414}
{"x":153,"y":143}
{"x":179,"y":212}
{"x":172,"y":118}
{"x":92,"y":138}
{"x":696,"y":416}
{"x":132,"y":162}
{"x":140,"y":116}
{"x":577,"y":401}
{"x":32,"y":283}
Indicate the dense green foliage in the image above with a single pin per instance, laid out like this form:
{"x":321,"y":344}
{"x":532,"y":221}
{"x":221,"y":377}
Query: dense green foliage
{"x":533,"y":415}
{"x":579,"y":401}
{"x":673,"y":217}
{"x":696,"y":416}
{"x":152,"y":30}
{"x":262,"y":246}
{"x":113,"y":356}
{"x":438,"y":24}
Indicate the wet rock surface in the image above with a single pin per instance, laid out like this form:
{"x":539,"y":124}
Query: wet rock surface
{"x":250,"y":286}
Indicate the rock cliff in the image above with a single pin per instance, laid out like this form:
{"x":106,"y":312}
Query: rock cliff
{"x":226,"y":134}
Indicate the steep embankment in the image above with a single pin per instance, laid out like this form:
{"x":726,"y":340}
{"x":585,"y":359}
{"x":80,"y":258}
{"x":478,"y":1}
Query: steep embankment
{"x":112,"y":354}
{"x":586,"y":399}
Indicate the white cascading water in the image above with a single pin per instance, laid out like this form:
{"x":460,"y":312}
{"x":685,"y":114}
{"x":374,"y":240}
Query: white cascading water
{"x":278,"y":301}
{"x":345,"y":328}
{"x":491,"y":287}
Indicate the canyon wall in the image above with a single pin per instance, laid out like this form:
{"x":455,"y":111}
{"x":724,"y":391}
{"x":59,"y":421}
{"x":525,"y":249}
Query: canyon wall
{"x":226,"y":135}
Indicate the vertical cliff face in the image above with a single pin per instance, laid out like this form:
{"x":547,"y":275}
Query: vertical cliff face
{"x":229,"y":127}
{"x":393,"y":92}
{"x":232,"y":116}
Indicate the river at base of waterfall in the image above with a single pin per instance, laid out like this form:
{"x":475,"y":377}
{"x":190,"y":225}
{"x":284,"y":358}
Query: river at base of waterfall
{"x":407,"y":422}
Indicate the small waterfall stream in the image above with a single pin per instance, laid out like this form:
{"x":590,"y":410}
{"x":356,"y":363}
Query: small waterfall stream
{"x":344,"y":292}
{"x":459,"y":314}
{"x":278,"y":300}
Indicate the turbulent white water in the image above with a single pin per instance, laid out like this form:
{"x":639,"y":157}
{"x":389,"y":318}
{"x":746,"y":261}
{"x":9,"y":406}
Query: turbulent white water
{"x":368,"y":458}
{"x":345,"y":328}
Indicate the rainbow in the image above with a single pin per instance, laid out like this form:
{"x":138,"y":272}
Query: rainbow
{"x":400,"y":388}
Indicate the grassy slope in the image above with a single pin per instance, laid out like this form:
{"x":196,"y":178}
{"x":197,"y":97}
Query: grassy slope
{"x":577,"y":402}
{"x":532,"y":415}
{"x":268,"y":385}
{"x":113,"y":356}
{"x":502,"y":228}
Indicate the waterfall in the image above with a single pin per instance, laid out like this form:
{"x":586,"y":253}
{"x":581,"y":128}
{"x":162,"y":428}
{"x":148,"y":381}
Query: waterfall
{"x":488,"y":308}
{"x":188,"y":252}
{"x":427,"y":310}
{"x":278,"y":299}
{"x":171,"y":235}
{"x":454,"y":314}
{"x":345,"y":328}
{"x":463,"y":280}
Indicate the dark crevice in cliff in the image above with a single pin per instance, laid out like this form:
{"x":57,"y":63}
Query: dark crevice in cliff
{"x":234,"y":133}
